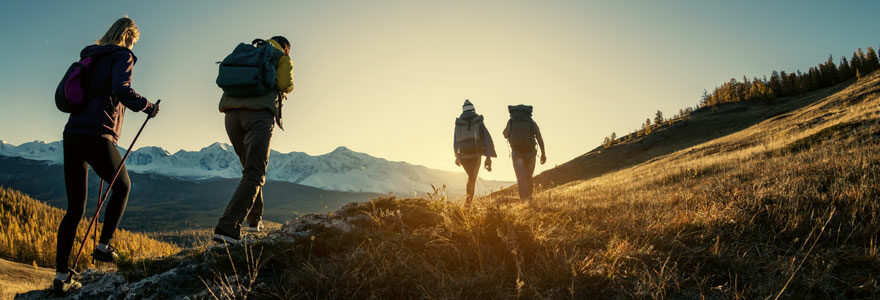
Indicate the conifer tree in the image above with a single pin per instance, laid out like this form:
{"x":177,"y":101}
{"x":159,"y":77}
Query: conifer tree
{"x":856,"y":60}
{"x":844,"y":72}
{"x":775,"y":82}
{"x":658,"y":118}
{"x":871,"y":62}
{"x":828,"y":73}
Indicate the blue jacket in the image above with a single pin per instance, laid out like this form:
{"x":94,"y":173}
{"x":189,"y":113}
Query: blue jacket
{"x":110,"y":93}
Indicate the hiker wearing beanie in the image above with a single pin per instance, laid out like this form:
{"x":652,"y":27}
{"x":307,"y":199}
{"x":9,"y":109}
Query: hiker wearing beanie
{"x":522,"y":134}
{"x":89,"y":139}
{"x":252,"y":102}
{"x":472,"y":141}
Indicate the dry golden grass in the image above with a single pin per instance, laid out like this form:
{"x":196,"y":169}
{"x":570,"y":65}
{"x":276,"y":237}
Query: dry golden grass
{"x":30,"y":227}
{"x":17,"y":278}
{"x":786,"y":208}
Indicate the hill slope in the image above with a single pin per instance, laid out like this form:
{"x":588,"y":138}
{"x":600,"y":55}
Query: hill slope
{"x":784,"y":208}
{"x":700,"y":126}
{"x":17,"y":278}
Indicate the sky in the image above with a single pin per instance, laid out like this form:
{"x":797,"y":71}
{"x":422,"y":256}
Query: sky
{"x":388,"y":78}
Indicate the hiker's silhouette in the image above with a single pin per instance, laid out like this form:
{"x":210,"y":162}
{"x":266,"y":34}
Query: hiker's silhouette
{"x":522,"y":134}
{"x":472,"y":141}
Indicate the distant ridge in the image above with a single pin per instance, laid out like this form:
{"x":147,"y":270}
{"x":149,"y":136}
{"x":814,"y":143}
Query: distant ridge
{"x":341,"y":169}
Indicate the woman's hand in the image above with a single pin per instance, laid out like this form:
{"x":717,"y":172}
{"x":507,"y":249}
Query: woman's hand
{"x":152,"y":110}
{"x":489,"y":164}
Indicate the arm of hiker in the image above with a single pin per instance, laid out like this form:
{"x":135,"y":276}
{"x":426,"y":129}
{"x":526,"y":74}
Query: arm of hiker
{"x":490,"y":147}
{"x":454,"y":150}
{"x":540,"y":142}
{"x":284,"y":75}
{"x":121,"y":85}
{"x":506,"y":131}
{"x":487,"y":142}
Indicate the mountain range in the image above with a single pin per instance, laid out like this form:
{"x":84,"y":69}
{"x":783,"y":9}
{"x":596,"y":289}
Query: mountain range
{"x":340,"y":170}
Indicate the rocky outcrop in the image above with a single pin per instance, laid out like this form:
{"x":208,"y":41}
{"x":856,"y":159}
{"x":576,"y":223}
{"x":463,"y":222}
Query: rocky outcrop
{"x":188,"y":279}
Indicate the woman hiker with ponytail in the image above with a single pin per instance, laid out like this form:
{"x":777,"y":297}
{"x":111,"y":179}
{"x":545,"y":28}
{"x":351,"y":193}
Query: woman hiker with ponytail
{"x":471,"y":142}
{"x":90,"y":138}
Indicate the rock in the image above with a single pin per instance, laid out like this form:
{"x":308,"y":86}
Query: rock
{"x":303,"y":226}
{"x":106,"y":287}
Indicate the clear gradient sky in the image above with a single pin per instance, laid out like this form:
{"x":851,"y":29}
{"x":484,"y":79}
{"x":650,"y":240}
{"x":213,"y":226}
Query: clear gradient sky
{"x":388,"y":77}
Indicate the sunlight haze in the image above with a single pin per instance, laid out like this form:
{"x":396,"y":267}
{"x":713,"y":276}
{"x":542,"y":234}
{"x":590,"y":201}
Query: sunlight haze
{"x":388,"y":78}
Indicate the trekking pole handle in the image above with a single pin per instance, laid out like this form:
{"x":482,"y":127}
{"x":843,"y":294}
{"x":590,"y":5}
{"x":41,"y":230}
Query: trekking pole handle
{"x":148,"y":116}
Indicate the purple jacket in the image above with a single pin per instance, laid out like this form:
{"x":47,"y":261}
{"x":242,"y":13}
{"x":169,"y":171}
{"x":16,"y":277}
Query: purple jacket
{"x":110,"y":93}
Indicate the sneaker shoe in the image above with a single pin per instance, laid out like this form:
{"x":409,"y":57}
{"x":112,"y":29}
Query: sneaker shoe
{"x":224,"y":238}
{"x":257,"y":228}
{"x":62,"y":287}
{"x":108,"y":255}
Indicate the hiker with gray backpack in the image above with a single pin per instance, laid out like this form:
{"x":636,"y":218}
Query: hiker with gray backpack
{"x":471,"y":142}
{"x":255,"y":79}
{"x":522,"y":134}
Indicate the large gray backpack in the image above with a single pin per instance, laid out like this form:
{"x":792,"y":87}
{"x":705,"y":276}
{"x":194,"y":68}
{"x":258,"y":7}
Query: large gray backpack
{"x":467,"y":135}
{"x":249,"y":71}
{"x":521,"y":135}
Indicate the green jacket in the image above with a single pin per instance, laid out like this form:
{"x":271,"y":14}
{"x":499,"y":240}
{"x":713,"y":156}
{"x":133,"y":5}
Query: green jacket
{"x":270,"y":101}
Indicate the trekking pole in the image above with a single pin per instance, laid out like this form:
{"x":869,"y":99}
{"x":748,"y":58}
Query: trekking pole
{"x":95,"y":236}
{"x":109,"y":187}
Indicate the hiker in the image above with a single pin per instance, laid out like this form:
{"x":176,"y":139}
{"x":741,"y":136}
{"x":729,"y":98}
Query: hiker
{"x":521,"y":133}
{"x":90,"y":138}
{"x":471,"y":142}
{"x":252,"y":110}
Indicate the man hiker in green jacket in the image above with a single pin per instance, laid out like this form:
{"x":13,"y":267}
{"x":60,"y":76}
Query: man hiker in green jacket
{"x":471,"y":142}
{"x":251,"y":114}
{"x":522,"y":133}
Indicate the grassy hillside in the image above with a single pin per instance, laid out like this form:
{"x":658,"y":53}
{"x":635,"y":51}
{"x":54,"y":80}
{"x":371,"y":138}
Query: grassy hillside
{"x":17,"y":278}
{"x":699,"y":126}
{"x":787,"y":207}
{"x":29,"y":231}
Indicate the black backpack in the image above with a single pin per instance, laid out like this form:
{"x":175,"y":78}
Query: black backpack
{"x":521,"y":134}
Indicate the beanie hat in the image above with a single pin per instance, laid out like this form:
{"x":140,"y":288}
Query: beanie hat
{"x":467,"y":105}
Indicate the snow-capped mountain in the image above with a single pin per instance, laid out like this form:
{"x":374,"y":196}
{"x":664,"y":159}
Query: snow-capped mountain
{"x":36,"y":150}
{"x":341,"y":170}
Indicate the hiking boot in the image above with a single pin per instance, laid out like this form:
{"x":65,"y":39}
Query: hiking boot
{"x":109,"y":255}
{"x":224,"y":238}
{"x":62,"y":287}
{"x":255,"y":228}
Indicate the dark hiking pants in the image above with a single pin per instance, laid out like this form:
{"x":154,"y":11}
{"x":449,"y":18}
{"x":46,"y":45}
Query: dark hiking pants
{"x":250,"y":132}
{"x":472,"y":168}
{"x":524,"y":167}
{"x":80,"y":152}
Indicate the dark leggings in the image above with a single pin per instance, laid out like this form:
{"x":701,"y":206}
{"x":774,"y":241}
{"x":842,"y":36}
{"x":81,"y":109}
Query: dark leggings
{"x":472,"y":168}
{"x":80,"y":152}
